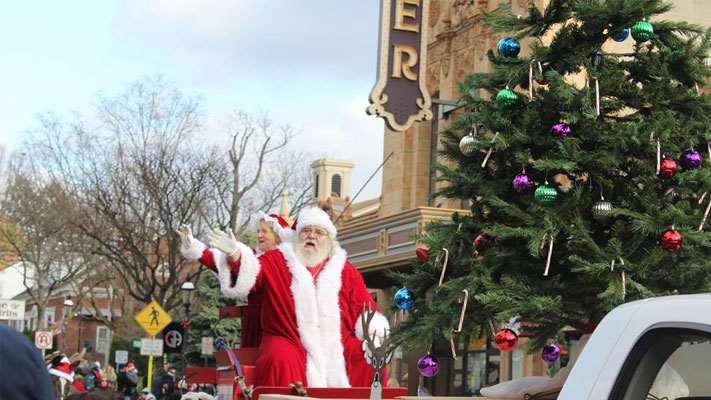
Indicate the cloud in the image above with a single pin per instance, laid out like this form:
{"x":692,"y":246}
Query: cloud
{"x":284,"y":37}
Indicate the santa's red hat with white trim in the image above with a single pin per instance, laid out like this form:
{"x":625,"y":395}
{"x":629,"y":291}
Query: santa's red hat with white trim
{"x":60,"y":367}
{"x":277,"y":223}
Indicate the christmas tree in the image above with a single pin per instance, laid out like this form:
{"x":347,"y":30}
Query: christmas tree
{"x":584,"y":170}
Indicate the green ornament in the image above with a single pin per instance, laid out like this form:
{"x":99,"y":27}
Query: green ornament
{"x":545,"y":195}
{"x":642,"y":31}
{"x":506,"y":98}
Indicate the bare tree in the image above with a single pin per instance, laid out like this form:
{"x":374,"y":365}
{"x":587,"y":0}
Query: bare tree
{"x":35,"y":229}
{"x":260,"y":165}
{"x":137,"y":173}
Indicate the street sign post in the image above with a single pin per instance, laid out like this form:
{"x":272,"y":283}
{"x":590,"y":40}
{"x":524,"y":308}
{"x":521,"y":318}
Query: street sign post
{"x":43,"y":340}
{"x":151,"y":347}
{"x":173,"y":338}
{"x":121,"y":357}
{"x":153,"y":318}
{"x":12,"y":309}
{"x":207,"y":346}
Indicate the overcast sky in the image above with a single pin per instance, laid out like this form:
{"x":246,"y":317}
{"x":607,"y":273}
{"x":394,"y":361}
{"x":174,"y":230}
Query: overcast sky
{"x":308,"y":63}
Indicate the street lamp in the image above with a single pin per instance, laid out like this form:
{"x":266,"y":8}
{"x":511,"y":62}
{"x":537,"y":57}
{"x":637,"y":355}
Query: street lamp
{"x":187,"y":289}
{"x":67,"y":303}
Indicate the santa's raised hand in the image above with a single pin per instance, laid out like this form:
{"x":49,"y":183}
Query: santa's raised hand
{"x":186,"y":236}
{"x":225,"y":242}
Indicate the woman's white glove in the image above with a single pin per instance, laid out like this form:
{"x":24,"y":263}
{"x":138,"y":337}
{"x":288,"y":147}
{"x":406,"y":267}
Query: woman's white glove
{"x":186,"y":236}
{"x":224,"y":241}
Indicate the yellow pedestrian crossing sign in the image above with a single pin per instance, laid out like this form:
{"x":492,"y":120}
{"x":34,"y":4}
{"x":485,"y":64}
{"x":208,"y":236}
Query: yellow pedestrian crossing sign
{"x":153,"y":318}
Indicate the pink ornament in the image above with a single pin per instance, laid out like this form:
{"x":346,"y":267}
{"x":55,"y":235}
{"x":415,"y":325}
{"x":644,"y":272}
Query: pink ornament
{"x":522,"y":183}
{"x":561,"y":130}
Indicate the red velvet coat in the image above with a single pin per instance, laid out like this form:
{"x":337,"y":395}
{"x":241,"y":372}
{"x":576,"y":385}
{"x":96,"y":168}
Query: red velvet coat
{"x":305,"y":337}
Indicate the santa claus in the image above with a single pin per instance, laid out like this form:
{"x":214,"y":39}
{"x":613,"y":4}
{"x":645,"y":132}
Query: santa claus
{"x":312,"y":303}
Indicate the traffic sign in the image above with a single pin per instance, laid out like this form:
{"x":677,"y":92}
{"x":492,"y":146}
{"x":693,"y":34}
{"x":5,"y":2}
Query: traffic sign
{"x":173,"y":338}
{"x":121,"y":356}
{"x":151,"y":347}
{"x":43,"y":340}
{"x":207,"y":346}
{"x":136,"y":343}
{"x":153,"y":318}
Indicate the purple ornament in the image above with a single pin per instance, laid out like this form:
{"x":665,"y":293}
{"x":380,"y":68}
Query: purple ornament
{"x":690,"y":159}
{"x":522,"y":183}
{"x":550,"y":353}
{"x":561,"y":130}
{"x":428,"y":366}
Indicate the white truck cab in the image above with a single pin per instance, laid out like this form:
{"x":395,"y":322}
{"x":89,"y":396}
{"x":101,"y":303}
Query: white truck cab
{"x":629,"y":347}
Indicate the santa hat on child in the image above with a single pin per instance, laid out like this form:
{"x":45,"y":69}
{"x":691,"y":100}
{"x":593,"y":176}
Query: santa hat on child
{"x":277,"y":223}
{"x":60,"y":368}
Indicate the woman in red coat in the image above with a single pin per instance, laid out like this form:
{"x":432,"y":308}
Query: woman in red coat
{"x":271,"y":230}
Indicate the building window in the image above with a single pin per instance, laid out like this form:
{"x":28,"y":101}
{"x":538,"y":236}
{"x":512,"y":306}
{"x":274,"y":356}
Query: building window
{"x":103,"y":339}
{"x":336,"y":185}
{"x":316,"y":186}
{"x":48,"y":317}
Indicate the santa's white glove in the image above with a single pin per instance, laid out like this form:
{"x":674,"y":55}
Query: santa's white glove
{"x":186,"y":236}
{"x":224,"y":241}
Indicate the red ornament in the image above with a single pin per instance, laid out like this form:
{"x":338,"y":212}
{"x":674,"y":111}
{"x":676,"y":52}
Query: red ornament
{"x":671,"y":241}
{"x":667,"y":169}
{"x":506,"y":339}
{"x":563,"y":351}
{"x":484,"y":241}
{"x":422,"y":254}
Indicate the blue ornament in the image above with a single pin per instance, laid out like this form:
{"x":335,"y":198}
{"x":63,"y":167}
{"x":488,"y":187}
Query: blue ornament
{"x":404,"y":298}
{"x":508,"y":47}
{"x":622,"y":36}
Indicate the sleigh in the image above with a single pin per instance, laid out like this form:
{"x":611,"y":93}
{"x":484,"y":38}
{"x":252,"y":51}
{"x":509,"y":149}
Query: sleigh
{"x":236,"y":373}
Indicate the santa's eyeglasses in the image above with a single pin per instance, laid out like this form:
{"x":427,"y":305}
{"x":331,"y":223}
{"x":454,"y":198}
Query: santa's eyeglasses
{"x":316,"y":231}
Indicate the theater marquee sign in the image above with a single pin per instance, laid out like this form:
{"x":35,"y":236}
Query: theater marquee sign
{"x":400,"y":95}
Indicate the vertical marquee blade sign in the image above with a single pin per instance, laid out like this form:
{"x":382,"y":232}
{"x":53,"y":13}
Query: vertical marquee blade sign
{"x":400,"y":95}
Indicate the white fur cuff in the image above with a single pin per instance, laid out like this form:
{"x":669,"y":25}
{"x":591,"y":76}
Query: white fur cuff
{"x":194,"y":252}
{"x":378,"y":325}
{"x":246,"y":278}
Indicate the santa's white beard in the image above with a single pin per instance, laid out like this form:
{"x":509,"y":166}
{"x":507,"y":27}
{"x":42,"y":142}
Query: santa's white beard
{"x":310,"y":257}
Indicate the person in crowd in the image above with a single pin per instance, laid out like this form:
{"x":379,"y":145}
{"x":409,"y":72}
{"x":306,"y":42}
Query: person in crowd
{"x":147,"y":395}
{"x":163,"y":383}
{"x":127,"y":380}
{"x":23,"y":374}
{"x":110,"y":374}
{"x":92,"y":379}
{"x":78,"y":384}
{"x":103,"y":386}
{"x":312,"y":303}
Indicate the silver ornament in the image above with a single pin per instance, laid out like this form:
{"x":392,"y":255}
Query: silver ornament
{"x":601,"y":210}
{"x":466,"y":145}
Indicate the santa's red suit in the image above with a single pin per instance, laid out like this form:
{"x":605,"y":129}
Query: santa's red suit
{"x":304,"y":336}
{"x":251,"y":333}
